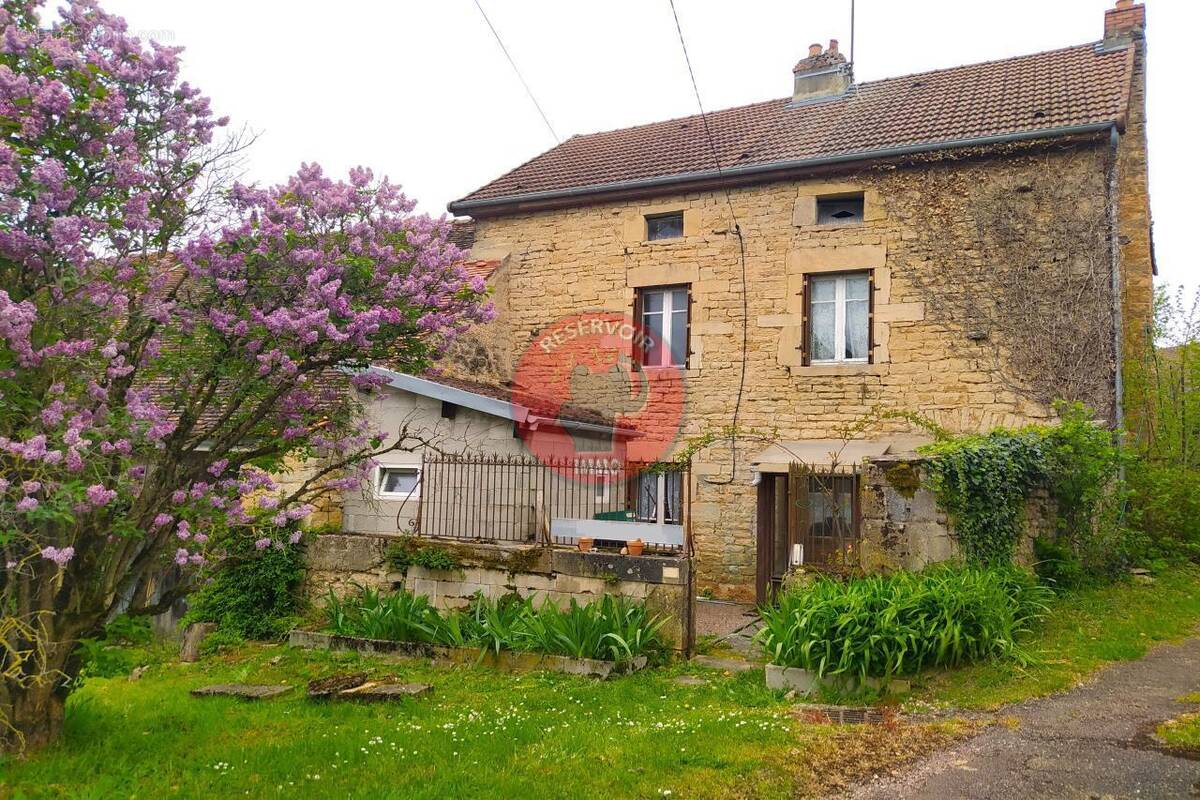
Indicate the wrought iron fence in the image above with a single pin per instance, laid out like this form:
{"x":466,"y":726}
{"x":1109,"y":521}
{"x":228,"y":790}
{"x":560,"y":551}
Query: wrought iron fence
{"x":490,"y":498}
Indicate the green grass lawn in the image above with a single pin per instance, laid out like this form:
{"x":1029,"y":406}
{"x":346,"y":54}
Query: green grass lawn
{"x":481,"y":734}
{"x":1084,"y":631}
{"x":1183,"y":732}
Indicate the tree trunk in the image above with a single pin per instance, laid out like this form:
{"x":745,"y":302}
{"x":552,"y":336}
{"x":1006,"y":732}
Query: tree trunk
{"x":33,"y":701}
{"x":35,"y":714}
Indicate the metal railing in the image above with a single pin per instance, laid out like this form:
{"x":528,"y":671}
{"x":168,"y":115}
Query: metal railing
{"x":491,"y":498}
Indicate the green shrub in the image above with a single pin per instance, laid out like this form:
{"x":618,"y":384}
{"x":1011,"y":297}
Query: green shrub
{"x":1165,"y":508}
{"x":254,"y":594}
{"x":410,"y":553}
{"x":886,"y":625}
{"x":984,"y":481}
{"x":610,"y":629}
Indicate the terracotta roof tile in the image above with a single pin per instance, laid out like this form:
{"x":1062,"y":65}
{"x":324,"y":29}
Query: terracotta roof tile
{"x":1074,"y":86}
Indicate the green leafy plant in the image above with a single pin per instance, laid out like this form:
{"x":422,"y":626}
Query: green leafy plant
{"x":896,"y":624}
{"x":254,"y":594}
{"x":611,"y":628}
{"x":400,"y":616}
{"x":410,"y":553}
{"x":983,"y":482}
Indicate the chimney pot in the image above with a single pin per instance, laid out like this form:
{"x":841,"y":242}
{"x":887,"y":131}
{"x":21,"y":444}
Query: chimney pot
{"x":814,"y":50}
{"x":833,"y":45}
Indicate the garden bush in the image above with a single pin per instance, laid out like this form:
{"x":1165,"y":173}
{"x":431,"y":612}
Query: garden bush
{"x":610,"y":629}
{"x":254,"y":593}
{"x":885,"y":625}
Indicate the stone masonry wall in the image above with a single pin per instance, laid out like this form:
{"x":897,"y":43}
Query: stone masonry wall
{"x":903,"y":528}
{"x":594,"y":258}
{"x":338,"y":561}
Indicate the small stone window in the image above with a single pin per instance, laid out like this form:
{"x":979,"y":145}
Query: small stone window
{"x":664,"y":226}
{"x":842,"y":210}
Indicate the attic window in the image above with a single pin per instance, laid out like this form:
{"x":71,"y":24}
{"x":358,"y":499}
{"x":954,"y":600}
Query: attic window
{"x":842,"y":210}
{"x":664,"y":226}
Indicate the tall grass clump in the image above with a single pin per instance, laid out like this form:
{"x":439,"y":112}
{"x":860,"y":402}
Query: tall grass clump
{"x":610,"y":629}
{"x":885,"y":625}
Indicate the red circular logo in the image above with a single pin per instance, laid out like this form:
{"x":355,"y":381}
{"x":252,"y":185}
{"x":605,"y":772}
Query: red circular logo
{"x":599,"y":386}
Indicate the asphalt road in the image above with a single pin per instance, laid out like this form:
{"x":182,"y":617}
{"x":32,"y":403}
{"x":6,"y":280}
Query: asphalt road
{"x":1092,"y":742}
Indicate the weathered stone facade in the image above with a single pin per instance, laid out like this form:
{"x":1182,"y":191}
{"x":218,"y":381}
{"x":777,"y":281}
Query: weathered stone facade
{"x":565,"y":261}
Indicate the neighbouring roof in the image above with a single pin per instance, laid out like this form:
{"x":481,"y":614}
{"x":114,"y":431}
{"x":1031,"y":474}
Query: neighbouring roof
{"x":497,"y":400}
{"x":1060,"y":91}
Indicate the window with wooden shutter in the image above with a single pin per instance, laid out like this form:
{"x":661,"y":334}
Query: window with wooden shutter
{"x":664,"y":314}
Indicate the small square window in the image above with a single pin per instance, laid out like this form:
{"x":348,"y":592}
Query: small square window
{"x":844,"y":210}
{"x":399,"y":481}
{"x":664,"y":226}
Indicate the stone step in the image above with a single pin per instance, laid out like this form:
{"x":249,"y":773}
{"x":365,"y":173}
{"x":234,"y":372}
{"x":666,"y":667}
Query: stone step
{"x":247,"y":691}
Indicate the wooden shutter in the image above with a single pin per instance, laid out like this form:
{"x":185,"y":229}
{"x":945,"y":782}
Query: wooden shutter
{"x":687,"y":350}
{"x":766,"y":514}
{"x":797,"y":507}
{"x":636,"y":355}
{"x":871,"y":317}
{"x":805,"y":332}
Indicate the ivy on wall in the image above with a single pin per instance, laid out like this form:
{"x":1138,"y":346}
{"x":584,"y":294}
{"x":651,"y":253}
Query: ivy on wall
{"x":983,"y":482}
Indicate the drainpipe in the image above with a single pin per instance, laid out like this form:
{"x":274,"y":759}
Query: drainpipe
{"x":1115,"y":255}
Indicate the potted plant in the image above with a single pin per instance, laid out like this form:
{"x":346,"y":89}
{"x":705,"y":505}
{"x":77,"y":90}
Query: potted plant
{"x":585,"y":544}
{"x":636,"y":546}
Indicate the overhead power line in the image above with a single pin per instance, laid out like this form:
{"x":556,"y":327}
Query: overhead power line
{"x":520,"y":77}
{"x":737,"y":230}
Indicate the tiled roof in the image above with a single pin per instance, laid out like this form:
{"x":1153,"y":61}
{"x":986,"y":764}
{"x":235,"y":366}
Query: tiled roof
{"x":534,"y":402}
{"x":1045,"y":92}
{"x":480,"y":268}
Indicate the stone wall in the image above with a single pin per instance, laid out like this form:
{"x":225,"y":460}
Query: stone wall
{"x":571,"y":260}
{"x":903,"y":527}
{"x":338,"y":561}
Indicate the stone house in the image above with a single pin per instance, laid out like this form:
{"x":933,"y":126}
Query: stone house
{"x":967,"y":245}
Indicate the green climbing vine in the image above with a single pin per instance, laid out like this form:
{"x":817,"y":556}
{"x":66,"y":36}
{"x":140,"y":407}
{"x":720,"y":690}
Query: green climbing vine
{"x":983,"y":482}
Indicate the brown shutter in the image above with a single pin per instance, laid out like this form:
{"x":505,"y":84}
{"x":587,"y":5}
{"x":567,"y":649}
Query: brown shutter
{"x":797,"y":507}
{"x":635,"y":354}
{"x":805,"y":344}
{"x":871,"y":317}
{"x":766,"y":500}
{"x":687,"y":351}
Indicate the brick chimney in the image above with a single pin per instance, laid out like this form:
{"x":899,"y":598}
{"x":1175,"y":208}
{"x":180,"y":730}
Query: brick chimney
{"x":821,"y":75}
{"x":1123,"y":22}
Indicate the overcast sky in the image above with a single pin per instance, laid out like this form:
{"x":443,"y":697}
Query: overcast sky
{"x":421,"y":92}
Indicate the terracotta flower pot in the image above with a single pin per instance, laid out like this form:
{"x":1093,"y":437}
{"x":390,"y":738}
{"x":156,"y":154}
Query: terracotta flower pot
{"x":635,"y":547}
{"x":585,"y":544}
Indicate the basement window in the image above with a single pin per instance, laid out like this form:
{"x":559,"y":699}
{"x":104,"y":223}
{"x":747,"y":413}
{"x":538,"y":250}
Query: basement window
{"x":398,"y":482}
{"x":664,"y":226}
{"x":842,"y":210}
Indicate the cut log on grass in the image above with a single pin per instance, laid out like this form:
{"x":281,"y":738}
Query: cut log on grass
{"x":375,"y":691}
{"x":193,"y":637}
{"x":324,"y":688}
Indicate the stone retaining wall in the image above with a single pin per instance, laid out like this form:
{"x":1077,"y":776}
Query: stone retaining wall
{"x":338,"y":561}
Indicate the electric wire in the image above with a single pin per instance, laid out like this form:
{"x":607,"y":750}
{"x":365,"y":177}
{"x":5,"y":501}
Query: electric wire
{"x":737,"y":230}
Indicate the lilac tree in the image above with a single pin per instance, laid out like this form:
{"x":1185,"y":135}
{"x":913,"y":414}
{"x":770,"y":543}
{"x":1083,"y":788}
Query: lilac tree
{"x":150,"y":387}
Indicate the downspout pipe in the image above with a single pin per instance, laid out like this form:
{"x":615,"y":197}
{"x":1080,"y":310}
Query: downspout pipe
{"x":1115,"y":256}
